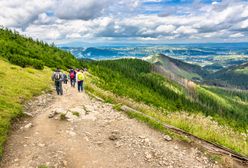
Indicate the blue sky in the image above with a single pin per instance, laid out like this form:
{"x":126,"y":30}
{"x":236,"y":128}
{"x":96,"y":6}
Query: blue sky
{"x":128,"y":21}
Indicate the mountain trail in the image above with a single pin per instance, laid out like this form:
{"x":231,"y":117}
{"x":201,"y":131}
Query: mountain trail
{"x":92,"y":135}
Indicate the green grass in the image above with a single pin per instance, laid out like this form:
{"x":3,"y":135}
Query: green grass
{"x":232,"y":104}
{"x":194,"y":122}
{"x":43,"y":166}
{"x":63,"y":116}
{"x":18,"y":85}
{"x":134,"y":79}
{"x":76,"y":114}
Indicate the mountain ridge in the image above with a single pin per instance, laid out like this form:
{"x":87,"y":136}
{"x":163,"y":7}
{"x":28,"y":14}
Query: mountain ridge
{"x":178,"y":67}
{"x":233,"y":76}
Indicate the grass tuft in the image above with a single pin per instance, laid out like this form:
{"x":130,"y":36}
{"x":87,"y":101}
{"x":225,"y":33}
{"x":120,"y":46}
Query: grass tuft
{"x":63,"y":116}
{"x":76,"y":114}
{"x":43,"y":166}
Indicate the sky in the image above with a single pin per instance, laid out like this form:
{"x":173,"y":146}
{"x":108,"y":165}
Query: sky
{"x":76,"y":22}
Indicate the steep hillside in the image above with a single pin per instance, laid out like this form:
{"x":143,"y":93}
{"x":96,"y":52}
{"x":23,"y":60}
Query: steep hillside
{"x":134,"y":79}
{"x":232,"y":77}
{"x":177,"y":67}
{"x":25,"y":52}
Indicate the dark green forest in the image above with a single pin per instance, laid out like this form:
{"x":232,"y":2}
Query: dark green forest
{"x":235,"y":76}
{"x":24,"y":52}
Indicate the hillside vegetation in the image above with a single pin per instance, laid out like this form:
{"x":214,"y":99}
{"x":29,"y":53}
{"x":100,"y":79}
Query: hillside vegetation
{"x":178,"y":67}
{"x":236,"y":76}
{"x":233,"y":77}
{"x":25,"y":52}
{"x":133,"y":78}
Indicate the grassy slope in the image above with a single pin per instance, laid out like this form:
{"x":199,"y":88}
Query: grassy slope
{"x":232,"y":104}
{"x":18,"y":84}
{"x":133,"y":79}
{"x":177,"y":67}
{"x":196,"y":124}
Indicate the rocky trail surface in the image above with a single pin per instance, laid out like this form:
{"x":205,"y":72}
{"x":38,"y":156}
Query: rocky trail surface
{"x":77,"y":131}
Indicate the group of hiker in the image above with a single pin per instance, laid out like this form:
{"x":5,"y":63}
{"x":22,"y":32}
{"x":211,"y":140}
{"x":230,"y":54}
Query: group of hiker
{"x":76,"y":77}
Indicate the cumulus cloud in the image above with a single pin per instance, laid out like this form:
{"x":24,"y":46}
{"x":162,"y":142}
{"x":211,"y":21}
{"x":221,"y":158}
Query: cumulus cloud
{"x":165,"y":28}
{"x":237,"y":35}
{"x":58,"y":20}
{"x":78,"y":9}
{"x":19,"y":13}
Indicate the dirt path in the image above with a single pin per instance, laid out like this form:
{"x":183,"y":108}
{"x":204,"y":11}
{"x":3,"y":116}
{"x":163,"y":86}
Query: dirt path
{"x":99,"y":137}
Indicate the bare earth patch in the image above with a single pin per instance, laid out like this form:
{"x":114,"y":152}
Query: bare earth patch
{"x":91,"y":135}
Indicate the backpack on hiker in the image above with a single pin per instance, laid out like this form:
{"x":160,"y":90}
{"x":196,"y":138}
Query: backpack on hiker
{"x":57,"y":76}
{"x":80,"y":77}
{"x":72,"y":75}
{"x":65,"y":76}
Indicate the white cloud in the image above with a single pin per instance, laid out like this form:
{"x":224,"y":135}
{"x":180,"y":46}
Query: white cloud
{"x":243,"y":24}
{"x":80,"y":9}
{"x":43,"y":18}
{"x":60,"y":20}
{"x":237,"y":35}
{"x":185,"y":30}
{"x":19,"y":13}
{"x":165,"y":28}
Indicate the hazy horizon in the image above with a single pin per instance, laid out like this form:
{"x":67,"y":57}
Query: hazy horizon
{"x":87,"y":45}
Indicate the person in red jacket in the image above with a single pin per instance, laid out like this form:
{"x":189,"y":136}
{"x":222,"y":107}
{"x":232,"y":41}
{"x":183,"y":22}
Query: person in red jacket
{"x":72,"y":77}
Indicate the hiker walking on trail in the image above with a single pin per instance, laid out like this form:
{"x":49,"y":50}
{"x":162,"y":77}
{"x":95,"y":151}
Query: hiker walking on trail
{"x":65,"y":78}
{"x":57,"y":77}
{"x":80,"y":80}
{"x":72,"y":77}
